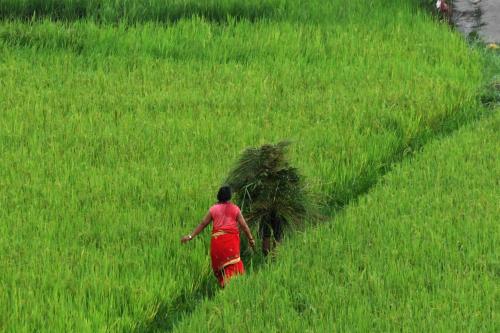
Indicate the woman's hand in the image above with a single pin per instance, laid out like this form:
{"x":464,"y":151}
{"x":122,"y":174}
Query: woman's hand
{"x":246,"y":229}
{"x":251,"y":241}
{"x":186,"y":239}
{"x":206,"y":220}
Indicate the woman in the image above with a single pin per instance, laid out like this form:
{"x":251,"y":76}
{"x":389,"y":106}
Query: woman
{"x":225,"y":243}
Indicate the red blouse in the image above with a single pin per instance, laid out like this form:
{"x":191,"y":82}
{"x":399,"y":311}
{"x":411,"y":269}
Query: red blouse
{"x":225,"y":217}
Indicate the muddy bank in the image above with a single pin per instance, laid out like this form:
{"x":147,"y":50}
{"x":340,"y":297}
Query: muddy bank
{"x":478,"y":16}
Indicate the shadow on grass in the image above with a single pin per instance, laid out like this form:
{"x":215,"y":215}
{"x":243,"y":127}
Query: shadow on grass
{"x":115,"y":12}
{"x":437,"y":128}
{"x":171,"y":312}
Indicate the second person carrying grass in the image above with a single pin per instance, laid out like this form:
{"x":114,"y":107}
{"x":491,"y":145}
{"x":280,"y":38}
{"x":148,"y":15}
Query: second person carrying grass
{"x":270,"y":192}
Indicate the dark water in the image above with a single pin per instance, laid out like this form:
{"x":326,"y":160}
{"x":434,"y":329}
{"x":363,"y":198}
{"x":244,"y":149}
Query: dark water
{"x":478,"y":16}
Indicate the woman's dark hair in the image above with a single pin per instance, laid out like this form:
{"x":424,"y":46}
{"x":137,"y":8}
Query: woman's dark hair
{"x":224,"y":194}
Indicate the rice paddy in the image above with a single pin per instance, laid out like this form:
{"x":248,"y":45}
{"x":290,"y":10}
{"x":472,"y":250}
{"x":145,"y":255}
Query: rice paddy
{"x":418,"y":253}
{"x":117,"y":127}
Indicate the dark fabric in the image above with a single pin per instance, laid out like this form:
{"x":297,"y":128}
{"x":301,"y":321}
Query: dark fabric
{"x":272,"y":226}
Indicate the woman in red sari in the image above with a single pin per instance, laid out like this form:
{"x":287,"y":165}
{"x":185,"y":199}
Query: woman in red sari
{"x":225,"y":243}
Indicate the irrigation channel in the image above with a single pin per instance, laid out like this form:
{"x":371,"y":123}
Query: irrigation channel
{"x":481,"y":17}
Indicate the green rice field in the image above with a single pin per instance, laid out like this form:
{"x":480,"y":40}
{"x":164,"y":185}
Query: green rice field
{"x":419,"y":253}
{"x":120,"y":119}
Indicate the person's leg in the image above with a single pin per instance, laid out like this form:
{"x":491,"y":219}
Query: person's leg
{"x":265,"y":231}
{"x":220,"y":277}
{"x":266,"y":245}
{"x":277,"y":227}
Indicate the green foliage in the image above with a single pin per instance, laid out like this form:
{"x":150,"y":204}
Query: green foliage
{"x":114,"y":137}
{"x":418,"y":253}
{"x":133,"y":11}
{"x":491,"y":91}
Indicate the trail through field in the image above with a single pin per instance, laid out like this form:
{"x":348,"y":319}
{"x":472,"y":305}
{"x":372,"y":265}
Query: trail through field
{"x":480,"y":16}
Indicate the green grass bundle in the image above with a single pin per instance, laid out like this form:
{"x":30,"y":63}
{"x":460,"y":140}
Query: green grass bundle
{"x":266,"y":185}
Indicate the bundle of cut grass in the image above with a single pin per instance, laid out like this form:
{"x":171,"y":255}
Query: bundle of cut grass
{"x":266,"y":185}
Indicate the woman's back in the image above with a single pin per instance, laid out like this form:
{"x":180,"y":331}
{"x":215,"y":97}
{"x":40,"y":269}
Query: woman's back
{"x":225,"y":240}
{"x":225,"y":217}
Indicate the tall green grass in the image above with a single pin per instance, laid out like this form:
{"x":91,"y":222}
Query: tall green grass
{"x":114,"y":139}
{"x":220,"y":11}
{"x":108,"y":11}
{"x":419,"y":253}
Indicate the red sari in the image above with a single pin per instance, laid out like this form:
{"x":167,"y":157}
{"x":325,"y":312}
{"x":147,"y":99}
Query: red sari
{"x":225,"y":244}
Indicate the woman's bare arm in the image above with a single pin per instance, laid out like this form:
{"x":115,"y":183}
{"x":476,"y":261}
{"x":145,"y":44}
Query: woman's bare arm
{"x":246,"y":229}
{"x":206,"y":220}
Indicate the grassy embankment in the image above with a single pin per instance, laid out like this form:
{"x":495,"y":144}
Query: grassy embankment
{"x":114,"y":138}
